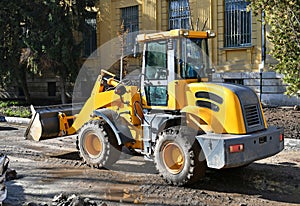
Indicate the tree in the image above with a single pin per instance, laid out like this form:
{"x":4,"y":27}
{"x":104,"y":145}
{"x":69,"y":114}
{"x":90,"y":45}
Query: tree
{"x":56,"y":47}
{"x":38,"y":35}
{"x":283,"y":18}
{"x":12,"y":67}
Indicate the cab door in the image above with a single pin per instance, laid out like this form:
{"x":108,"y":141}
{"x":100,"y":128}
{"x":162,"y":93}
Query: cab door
{"x":158,"y":72}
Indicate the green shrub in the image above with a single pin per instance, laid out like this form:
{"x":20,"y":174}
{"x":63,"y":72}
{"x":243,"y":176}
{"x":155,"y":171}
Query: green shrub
{"x":14,"y":109}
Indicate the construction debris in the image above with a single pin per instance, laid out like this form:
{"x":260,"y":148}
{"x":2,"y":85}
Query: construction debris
{"x":68,"y":200}
{"x":3,"y":168}
{"x":11,"y":174}
{"x":73,"y":200}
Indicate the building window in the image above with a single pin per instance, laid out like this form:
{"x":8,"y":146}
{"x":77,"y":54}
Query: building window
{"x":237,"y":23}
{"x":179,"y":14}
{"x":51,"y":89}
{"x":90,"y":35}
{"x":130,"y":19}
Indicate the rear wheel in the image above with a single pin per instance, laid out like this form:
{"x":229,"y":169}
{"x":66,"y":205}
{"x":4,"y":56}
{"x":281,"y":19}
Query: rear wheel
{"x":97,"y":144}
{"x":178,"y":157}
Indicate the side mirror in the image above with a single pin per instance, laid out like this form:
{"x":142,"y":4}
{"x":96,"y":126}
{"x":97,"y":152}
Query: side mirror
{"x":120,"y":90}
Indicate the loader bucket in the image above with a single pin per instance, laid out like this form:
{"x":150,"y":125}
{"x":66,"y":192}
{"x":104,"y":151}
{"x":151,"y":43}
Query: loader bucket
{"x":44,"y":123}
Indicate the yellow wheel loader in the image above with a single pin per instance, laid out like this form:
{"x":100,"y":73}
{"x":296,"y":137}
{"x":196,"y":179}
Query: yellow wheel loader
{"x":169,"y":112}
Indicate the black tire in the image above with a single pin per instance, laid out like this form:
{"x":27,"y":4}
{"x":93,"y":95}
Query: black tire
{"x":178,"y":157}
{"x":97,"y":144}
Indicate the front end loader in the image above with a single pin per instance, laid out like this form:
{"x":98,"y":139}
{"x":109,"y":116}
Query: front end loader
{"x":171,"y":113}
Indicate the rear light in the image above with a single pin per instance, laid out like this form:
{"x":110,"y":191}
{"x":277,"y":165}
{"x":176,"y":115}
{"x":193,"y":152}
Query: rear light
{"x":281,"y":137}
{"x":236,"y":148}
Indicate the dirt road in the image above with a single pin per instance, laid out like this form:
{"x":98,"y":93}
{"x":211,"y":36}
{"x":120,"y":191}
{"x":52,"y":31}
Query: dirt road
{"x":51,"y":167}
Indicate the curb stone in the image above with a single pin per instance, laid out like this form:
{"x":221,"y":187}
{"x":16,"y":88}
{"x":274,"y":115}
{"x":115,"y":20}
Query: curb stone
{"x":15,"y":120}
{"x":292,"y":143}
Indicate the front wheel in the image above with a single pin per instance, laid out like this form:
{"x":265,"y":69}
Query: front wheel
{"x":97,"y":144}
{"x":178,"y":157}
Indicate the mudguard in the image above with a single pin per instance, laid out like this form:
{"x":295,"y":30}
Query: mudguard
{"x":117,"y":124}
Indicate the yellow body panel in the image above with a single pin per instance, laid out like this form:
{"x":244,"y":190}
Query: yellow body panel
{"x":263,"y":116}
{"x":176,"y":95}
{"x":174,"y":33}
{"x":131,"y":110}
{"x":128,"y":107}
{"x":229,"y":117}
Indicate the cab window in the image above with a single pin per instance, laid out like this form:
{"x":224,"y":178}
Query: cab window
{"x":156,"y":61}
{"x":192,"y":58}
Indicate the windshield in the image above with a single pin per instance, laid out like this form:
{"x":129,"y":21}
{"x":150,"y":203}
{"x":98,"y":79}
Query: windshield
{"x":193,"y":58}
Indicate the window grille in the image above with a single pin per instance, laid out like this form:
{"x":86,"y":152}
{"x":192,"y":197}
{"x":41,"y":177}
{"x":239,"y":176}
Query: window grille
{"x":179,"y":14}
{"x":237,"y":23}
{"x":130,"y":19}
{"x":90,"y":36}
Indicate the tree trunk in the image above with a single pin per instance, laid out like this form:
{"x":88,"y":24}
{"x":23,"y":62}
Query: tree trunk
{"x":26,"y":92}
{"x":22,"y":76}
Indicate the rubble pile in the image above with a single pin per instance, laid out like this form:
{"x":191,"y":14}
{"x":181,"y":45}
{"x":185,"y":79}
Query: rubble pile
{"x":11,"y":174}
{"x":73,"y":200}
{"x":68,"y":200}
{"x":3,"y":168}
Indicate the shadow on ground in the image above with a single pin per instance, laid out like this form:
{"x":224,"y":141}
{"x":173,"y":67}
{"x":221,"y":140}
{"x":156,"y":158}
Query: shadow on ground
{"x":279,"y":182}
{"x":68,"y":156}
{"x":273,"y":182}
{"x":7,"y":128}
{"x":15,"y":194}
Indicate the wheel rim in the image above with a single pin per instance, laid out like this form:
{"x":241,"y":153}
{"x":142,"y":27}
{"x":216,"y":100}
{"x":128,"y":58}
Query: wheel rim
{"x":92,"y":144}
{"x":173,"y":158}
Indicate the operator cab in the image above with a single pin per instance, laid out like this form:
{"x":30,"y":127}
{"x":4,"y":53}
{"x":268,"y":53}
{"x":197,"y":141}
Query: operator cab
{"x":170,"y":60}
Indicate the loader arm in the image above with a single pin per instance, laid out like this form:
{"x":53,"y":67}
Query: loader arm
{"x":53,"y":121}
{"x":96,"y":101}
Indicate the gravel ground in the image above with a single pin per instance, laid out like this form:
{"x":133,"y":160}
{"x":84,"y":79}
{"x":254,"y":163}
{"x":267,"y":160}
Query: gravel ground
{"x":51,"y":171}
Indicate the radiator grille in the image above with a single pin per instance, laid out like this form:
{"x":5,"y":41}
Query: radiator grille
{"x":252,"y":115}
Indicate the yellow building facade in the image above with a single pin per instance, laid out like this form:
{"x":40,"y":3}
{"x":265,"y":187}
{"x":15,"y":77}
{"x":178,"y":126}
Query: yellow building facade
{"x":207,"y":14}
{"x":236,"y":52}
